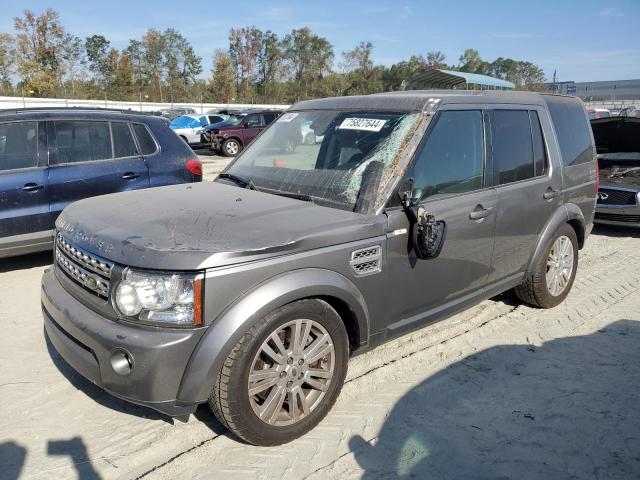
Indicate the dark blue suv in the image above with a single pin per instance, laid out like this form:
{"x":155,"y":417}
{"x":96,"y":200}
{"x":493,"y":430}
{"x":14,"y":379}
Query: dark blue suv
{"x":50,"y":158}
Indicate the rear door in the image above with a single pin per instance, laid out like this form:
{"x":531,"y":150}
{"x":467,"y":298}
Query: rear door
{"x":90,"y":158}
{"x":24,"y":193}
{"x":253,"y":125}
{"x":529,"y":188}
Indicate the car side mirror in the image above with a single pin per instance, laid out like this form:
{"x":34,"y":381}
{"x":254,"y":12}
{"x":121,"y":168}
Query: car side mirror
{"x":427,"y":233}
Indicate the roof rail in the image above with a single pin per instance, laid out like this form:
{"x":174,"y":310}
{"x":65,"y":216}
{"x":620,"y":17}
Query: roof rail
{"x":74,"y":109}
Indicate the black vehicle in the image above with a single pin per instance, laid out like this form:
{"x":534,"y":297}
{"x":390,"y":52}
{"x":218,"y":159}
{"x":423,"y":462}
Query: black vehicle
{"x":250,"y":293}
{"x":50,"y":158}
{"x":618,"y":144}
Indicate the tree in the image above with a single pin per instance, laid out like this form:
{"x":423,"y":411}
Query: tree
{"x":244,"y":46}
{"x":308,"y":57}
{"x":73,"y":56}
{"x":181,"y":63}
{"x":39,"y":45}
{"x":101,"y":63}
{"x":6,"y":61}
{"x":471,"y":62}
{"x":436,"y":60}
{"x":153,"y":47}
{"x":223,"y":86}
{"x":269,"y":62}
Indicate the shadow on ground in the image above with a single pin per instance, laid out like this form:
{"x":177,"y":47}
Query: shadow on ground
{"x":24,"y":262}
{"x":12,"y":457}
{"x":568,"y":409}
{"x":618,"y":232}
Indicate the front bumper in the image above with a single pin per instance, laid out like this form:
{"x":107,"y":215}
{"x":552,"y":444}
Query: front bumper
{"x":618,"y":215}
{"x":87,"y":341}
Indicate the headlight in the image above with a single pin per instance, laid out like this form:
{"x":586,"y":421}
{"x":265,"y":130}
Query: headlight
{"x":168,"y":299}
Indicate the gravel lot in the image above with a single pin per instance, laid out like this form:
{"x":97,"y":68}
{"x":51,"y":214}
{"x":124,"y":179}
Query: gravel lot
{"x":499,"y":391}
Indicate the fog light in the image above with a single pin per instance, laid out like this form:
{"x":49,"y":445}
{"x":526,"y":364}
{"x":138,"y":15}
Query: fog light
{"x":121,"y":362}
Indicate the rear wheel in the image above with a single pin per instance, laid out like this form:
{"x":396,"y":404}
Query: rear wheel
{"x":554,"y":273}
{"x":284,"y":374}
{"x":231,"y":147}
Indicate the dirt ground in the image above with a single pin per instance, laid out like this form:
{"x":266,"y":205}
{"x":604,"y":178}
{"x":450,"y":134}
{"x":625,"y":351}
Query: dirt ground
{"x":500,"y":391}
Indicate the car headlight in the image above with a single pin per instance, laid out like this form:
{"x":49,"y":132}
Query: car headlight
{"x":162,"y":298}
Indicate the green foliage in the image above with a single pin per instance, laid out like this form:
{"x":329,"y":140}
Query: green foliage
{"x":258,"y":67}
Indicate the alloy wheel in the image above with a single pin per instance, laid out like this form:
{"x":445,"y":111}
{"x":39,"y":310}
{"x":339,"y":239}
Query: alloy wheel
{"x":559,"y":265}
{"x":291,"y":372}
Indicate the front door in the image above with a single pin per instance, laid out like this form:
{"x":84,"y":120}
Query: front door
{"x":86,"y":162}
{"x":253,"y":125}
{"x":451,"y":181}
{"x":24,"y":193}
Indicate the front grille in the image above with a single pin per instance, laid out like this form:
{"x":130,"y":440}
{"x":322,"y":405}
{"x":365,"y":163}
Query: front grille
{"x":615,"y":217}
{"x":366,"y":260}
{"x":86,"y":269}
{"x":608,"y":196}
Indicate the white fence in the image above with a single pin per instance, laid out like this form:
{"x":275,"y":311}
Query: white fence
{"x":31,"y":102}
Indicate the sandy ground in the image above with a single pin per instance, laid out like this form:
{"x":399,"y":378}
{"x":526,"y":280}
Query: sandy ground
{"x":499,"y":391}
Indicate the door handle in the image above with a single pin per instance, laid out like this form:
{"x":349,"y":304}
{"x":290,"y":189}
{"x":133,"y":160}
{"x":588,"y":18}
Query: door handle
{"x":130,"y":176}
{"x":480,"y":212}
{"x":549,"y":194}
{"x":32,"y":187}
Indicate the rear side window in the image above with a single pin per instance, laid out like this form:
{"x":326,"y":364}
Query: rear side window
{"x":539,"y":152}
{"x":254,"y":121}
{"x":123,"y":143}
{"x":452,"y":159}
{"x":145,"y":140}
{"x":269,"y":118}
{"x":82,"y":141}
{"x":18,"y":145}
{"x":512,"y":145}
{"x":572,"y":129}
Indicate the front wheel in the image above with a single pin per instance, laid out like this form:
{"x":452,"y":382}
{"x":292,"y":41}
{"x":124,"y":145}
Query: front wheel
{"x":284,"y":374}
{"x":231,"y":147}
{"x":554,"y":273}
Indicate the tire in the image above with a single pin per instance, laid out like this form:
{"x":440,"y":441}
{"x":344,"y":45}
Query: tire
{"x":535,"y":290}
{"x":231,"y":147}
{"x":239,"y":412}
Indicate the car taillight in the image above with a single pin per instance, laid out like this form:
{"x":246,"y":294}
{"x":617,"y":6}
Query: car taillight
{"x":194,"y":166}
{"x":597,"y":176}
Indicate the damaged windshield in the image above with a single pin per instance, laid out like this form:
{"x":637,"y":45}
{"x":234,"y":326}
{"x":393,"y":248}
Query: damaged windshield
{"x":332,"y":158}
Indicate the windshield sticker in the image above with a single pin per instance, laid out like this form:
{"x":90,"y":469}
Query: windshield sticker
{"x":287,"y":117}
{"x":368,"y":124}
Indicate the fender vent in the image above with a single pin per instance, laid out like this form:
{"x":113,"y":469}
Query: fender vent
{"x":366,"y":261}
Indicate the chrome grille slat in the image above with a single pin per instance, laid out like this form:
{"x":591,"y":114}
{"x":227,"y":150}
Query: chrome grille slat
{"x":92,"y":272}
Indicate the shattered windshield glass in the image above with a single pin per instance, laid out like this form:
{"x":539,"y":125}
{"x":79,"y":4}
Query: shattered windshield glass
{"x":323,"y":156}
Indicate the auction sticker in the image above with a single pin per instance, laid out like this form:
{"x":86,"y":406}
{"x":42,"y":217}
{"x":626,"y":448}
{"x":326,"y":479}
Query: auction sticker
{"x":368,"y":124}
{"x":287,"y":117}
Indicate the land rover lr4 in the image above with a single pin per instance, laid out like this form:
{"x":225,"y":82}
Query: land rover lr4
{"x":252,"y":291}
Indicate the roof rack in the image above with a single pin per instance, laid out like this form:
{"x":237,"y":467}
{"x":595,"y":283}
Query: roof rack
{"x":74,"y":109}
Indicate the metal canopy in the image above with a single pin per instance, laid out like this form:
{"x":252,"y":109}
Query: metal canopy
{"x":435,"y":78}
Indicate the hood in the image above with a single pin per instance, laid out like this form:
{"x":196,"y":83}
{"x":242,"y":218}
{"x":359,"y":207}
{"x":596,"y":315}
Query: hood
{"x":618,"y":144}
{"x":204,"y":225}
{"x":221,"y":126}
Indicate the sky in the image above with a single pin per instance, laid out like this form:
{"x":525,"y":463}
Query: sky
{"x":583,"y":40}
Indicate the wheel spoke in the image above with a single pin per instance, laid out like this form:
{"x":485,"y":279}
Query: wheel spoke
{"x":294,"y":410}
{"x":316,"y":384}
{"x":257,"y":375}
{"x":262,"y":385}
{"x":315,"y":372}
{"x":274,"y":356}
{"x":279,"y":345}
{"x":319,"y":348}
{"x":271,"y":407}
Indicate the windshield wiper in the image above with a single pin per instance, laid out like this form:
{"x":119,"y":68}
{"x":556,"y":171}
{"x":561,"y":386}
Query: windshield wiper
{"x":245,"y":183}
{"x":297,"y":196}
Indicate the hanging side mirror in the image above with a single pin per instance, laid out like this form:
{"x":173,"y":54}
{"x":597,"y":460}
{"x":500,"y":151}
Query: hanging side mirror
{"x":427,"y":233}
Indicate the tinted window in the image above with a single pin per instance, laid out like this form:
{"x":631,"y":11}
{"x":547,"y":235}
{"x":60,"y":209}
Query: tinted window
{"x":511,"y":145}
{"x":269,"y":117}
{"x":145,"y":140}
{"x":539,"y":152}
{"x":452,"y":159}
{"x":18,"y":145}
{"x":123,"y":143}
{"x":81,"y":141}
{"x":572,"y":129}
{"x":253,"y":120}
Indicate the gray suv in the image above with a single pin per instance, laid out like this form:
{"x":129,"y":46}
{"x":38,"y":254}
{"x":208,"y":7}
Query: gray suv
{"x":251,"y":292}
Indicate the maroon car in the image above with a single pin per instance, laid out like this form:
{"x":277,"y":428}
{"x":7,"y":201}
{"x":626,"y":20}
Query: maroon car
{"x":231,"y":136}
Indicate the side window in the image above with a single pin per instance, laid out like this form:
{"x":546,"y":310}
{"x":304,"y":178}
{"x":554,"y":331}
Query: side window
{"x":145,"y":140}
{"x":18,"y":145}
{"x":539,"y":152}
{"x":81,"y":141}
{"x":452,"y":159}
{"x":572,"y":129}
{"x":512,"y":145}
{"x":269,"y":118}
{"x":123,"y":144}
{"x":254,"y":121}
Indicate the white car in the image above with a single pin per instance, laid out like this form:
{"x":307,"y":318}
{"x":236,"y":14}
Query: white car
{"x":189,"y":127}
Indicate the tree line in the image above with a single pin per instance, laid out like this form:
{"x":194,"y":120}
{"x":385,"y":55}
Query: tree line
{"x":42,"y":59}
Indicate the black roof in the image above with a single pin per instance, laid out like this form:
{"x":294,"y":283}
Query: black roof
{"x":417,"y":100}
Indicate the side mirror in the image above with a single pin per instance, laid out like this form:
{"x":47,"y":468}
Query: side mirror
{"x":427,"y":234}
